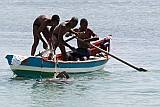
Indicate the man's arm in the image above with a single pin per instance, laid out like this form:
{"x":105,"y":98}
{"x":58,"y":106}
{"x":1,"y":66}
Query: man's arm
{"x":51,"y":32}
{"x":71,"y":32}
{"x":50,"y":37}
{"x":60,"y":37}
{"x":94,"y":36}
{"x":41,"y":28}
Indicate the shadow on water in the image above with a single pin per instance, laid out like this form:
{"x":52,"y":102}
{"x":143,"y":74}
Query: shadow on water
{"x":72,"y":75}
{"x":100,"y":74}
{"x":83,"y":83}
{"x":19,"y":78}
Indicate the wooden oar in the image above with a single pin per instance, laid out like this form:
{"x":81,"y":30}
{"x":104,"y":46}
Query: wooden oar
{"x":139,"y":69}
{"x":55,"y":67}
{"x":77,"y":34}
{"x":70,"y":38}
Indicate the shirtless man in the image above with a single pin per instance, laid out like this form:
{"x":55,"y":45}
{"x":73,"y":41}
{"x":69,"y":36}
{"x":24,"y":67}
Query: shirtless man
{"x":82,"y":51}
{"x":58,"y":33}
{"x":41,"y":25}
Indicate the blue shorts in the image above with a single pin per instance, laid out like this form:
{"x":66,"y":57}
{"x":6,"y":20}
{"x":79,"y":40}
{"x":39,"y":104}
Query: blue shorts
{"x":80,"y":53}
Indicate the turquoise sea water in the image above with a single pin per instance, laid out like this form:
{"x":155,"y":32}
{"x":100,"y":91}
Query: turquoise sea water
{"x":135,"y":26}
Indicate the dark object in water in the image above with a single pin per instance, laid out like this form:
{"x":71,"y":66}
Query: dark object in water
{"x":61,"y":77}
{"x":63,"y":74}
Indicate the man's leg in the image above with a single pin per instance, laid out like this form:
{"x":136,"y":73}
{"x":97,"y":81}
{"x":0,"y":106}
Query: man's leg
{"x":36,"y":40}
{"x":63,"y":52}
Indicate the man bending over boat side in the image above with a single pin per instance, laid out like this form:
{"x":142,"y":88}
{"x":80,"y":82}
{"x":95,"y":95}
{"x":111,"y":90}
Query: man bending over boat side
{"x":58,"y":33}
{"x":41,"y":25}
{"x":89,"y":35}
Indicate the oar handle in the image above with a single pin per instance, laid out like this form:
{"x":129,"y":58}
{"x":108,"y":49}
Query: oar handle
{"x":70,"y":38}
{"x":139,"y":69}
{"x":76,"y":35}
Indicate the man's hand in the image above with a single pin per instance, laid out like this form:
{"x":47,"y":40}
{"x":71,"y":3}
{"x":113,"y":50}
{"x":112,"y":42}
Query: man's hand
{"x":86,"y":40}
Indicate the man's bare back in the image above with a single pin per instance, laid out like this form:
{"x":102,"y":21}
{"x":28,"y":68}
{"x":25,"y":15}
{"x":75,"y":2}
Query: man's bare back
{"x":59,"y":32}
{"x":41,"y":25}
{"x":39,"y":20}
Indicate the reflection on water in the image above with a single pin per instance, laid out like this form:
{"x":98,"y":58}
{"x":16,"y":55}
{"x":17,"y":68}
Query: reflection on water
{"x":104,"y":85}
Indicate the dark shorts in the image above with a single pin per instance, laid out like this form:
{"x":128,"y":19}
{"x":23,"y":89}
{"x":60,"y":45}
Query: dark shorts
{"x":80,"y":53}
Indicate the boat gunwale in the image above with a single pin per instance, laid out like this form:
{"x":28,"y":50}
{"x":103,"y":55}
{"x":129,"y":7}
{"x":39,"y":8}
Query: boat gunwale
{"x":98,"y":59}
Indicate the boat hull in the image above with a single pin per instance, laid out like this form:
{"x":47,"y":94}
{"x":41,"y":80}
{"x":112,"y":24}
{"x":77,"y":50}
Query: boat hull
{"x":35,"y":67}
{"x":38,"y":66}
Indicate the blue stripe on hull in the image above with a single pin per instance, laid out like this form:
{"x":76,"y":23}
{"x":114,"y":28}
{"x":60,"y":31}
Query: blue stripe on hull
{"x":35,"y":61}
{"x":39,"y":63}
{"x":28,"y":75}
{"x":82,"y":65}
{"x":32,"y":75}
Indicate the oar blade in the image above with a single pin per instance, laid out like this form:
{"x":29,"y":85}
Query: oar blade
{"x":142,"y":70}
